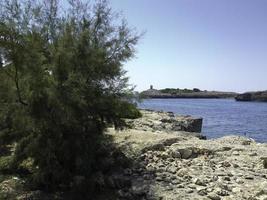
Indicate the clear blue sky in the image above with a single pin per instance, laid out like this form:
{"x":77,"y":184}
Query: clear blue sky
{"x":208,"y":44}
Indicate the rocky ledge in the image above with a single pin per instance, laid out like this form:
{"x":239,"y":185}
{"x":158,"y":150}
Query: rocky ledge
{"x":167,"y":122}
{"x":171,"y":165}
{"x":252,"y":96}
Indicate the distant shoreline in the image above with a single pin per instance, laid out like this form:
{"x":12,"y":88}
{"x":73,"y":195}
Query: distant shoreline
{"x":185,"y":93}
{"x":191,"y":97}
{"x":260,"y":96}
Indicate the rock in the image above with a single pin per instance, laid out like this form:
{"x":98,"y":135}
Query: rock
{"x":189,"y":191}
{"x":214,"y":196}
{"x":170,"y":141}
{"x":164,"y":155}
{"x":185,"y":153}
{"x":262,"y":192}
{"x":174,"y":165}
{"x":215,"y":178}
{"x":239,"y":181}
{"x":167,"y":164}
{"x":159,"y":178}
{"x":168,"y":188}
{"x":158,"y":121}
{"x":253,"y":154}
{"x":188,"y":124}
{"x":177,"y":151}
{"x":209,"y":190}
{"x":170,"y":160}
{"x":247,"y":142}
{"x":176,"y":154}
{"x":182,"y":172}
{"x":235,"y":153}
{"x":226,"y":164}
{"x":202,"y":192}
{"x":197,"y":181}
{"x":248,"y":177}
{"x":192,"y":186}
{"x":176,"y":182}
{"x":252,"y":96}
{"x":172,"y":169}
{"x":237,"y":190}
{"x":225,"y":148}
{"x":155,"y":147}
{"x":264,"y":161}
{"x":235,"y":165}
{"x":180,"y":186}
{"x":222,"y":192}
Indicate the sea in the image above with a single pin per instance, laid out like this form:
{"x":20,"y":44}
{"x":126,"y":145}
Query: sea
{"x":221,"y":117}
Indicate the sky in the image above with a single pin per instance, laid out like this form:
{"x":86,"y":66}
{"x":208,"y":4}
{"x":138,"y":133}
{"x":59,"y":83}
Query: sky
{"x":206,"y":44}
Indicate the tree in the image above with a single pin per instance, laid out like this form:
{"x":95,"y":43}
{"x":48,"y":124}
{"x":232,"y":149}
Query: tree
{"x":62,"y":84}
{"x":196,"y":90}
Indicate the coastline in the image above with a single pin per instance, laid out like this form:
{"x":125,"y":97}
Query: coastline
{"x":161,"y":156}
{"x":220,"y":116}
{"x":175,"y":164}
{"x":190,"y":96}
{"x":260,"y":96}
{"x":154,"y":93}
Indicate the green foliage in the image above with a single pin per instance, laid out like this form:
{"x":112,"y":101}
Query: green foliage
{"x":196,"y":90}
{"x":62,"y":83}
{"x":178,"y":91}
{"x":170,"y":90}
{"x":6,"y":164}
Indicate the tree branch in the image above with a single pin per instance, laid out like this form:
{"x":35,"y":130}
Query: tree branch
{"x":16,"y":79}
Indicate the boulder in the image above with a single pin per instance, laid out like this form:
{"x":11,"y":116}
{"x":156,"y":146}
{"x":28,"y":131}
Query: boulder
{"x":165,"y":121}
{"x":188,"y":124}
{"x":264,"y":160}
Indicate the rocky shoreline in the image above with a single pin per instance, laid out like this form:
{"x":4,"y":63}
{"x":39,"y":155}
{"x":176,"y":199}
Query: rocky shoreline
{"x":168,"y":122}
{"x":260,"y":96}
{"x":164,"y":157}
{"x":172,"y":164}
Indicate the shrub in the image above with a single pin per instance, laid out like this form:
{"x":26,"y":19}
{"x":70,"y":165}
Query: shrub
{"x":6,"y":164}
{"x":62,"y":83}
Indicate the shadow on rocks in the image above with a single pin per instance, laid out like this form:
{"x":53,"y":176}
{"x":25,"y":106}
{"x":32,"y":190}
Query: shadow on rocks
{"x":119,"y":177}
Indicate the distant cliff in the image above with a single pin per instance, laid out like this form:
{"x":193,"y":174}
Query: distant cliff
{"x":252,"y":96}
{"x":185,"y":93}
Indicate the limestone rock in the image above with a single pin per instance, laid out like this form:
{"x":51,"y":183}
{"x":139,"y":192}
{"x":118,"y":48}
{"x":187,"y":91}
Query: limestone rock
{"x":264,"y":160}
{"x":154,"y":121}
{"x":214,"y":196}
{"x":175,"y":165}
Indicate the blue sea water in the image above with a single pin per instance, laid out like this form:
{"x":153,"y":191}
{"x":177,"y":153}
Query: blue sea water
{"x":220,"y":116}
